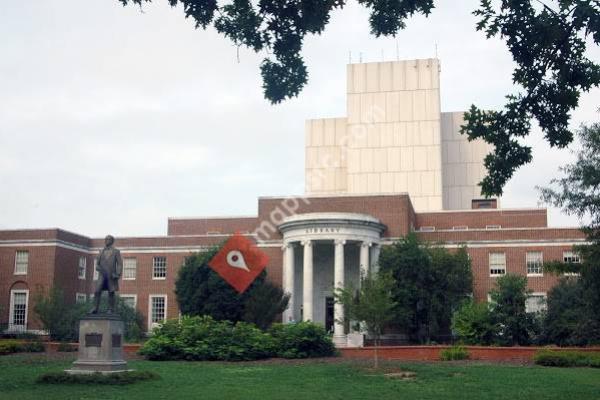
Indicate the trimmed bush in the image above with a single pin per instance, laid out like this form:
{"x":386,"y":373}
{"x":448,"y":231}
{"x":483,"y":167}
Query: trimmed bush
{"x":301,"y":340}
{"x":554,"y":358}
{"x":454,"y":353}
{"x":117,"y":378}
{"x":203,"y":338}
{"x":15,"y":346}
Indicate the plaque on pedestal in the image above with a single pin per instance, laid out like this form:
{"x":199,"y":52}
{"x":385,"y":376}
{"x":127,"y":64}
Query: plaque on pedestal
{"x":100,"y":345}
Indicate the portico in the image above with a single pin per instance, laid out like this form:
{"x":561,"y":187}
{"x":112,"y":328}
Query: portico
{"x":322,"y":252}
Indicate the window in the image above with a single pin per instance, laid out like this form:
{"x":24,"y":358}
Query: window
{"x":497,"y":264}
{"x":492,"y":227}
{"x":159,"y":268}
{"x":95,"y":270}
{"x":460,"y":228}
{"x":21,"y":262}
{"x":129,"y":299}
{"x":571,"y":257}
{"x":129,"y":268}
{"x":81,"y":268}
{"x":18,"y":310}
{"x":80,"y":298}
{"x":158,"y":310}
{"x":536,"y":302}
{"x":427,"y":228}
{"x":534,"y":262}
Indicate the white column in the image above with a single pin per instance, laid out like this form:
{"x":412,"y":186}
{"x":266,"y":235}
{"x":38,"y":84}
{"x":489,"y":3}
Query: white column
{"x":375,"y":250}
{"x":364,"y":258}
{"x":288,"y":280}
{"x":307,"y":284}
{"x":339,"y":337}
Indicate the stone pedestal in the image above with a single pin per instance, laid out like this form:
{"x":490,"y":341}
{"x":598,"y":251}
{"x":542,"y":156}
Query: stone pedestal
{"x":101,"y":338}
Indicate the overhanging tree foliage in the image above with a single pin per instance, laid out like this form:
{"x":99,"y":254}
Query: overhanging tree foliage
{"x":546,"y":38}
{"x":201,"y":291}
{"x":430,"y":284}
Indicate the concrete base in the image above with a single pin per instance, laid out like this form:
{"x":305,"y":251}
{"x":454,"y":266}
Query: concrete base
{"x":101,"y":338}
{"x":356,"y":339}
{"x":340,"y":340}
{"x":88,"y":372}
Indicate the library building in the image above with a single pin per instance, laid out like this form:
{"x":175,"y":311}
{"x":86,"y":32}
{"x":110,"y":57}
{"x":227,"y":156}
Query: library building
{"x":394,"y":164}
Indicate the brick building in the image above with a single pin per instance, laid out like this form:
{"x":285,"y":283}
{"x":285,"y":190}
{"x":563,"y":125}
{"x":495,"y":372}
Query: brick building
{"x":394,"y":165}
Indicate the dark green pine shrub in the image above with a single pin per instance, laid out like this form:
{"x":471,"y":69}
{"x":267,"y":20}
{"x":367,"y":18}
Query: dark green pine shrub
{"x":301,"y":340}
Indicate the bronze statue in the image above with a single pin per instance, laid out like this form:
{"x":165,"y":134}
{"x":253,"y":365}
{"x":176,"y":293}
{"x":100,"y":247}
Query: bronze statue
{"x":109,"y":267}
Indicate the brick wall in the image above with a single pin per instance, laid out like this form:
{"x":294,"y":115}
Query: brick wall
{"x":40,"y":274}
{"x":202,"y":226}
{"x":481,"y":218}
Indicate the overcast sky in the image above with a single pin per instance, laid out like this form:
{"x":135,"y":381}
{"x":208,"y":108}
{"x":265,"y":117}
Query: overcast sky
{"x":113,"y":119}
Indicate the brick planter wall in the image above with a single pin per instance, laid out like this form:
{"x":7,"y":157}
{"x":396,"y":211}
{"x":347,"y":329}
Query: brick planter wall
{"x":432,"y":353}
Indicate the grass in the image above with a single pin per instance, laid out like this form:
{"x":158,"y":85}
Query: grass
{"x":307,"y":380}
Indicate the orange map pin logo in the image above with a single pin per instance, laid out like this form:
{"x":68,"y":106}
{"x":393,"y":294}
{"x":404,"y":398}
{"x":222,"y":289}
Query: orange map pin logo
{"x":239,"y":262}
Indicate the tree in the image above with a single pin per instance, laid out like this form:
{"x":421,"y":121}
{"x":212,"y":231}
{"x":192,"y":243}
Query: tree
{"x":372,"y":305}
{"x":473,"y":323}
{"x":201,"y":291}
{"x":266,"y":302}
{"x":546,"y":38}
{"x":508,"y":310}
{"x":578,"y":193}
{"x":565,"y":322}
{"x":429,"y":285}
{"x":58,"y":318}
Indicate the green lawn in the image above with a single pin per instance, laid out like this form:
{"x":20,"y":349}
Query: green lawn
{"x":309,"y":380}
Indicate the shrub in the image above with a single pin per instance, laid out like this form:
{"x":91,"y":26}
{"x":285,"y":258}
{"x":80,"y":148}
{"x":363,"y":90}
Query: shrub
{"x":454,"y":353}
{"x":117,"y":378}
{"x":301,"y":340}
{"x":553,"y":358}
{"x":16,"y":346}
{"x":9,"y":346}
{"x":203,"y":338}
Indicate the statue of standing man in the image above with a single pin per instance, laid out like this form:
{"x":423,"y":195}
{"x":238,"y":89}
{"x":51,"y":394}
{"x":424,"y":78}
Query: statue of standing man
{"x":109,"y":267}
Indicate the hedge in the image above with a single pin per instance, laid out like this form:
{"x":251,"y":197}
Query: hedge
{"x":16,"y":346}
{"x":554,"y":358}
{"x":116,"y":378}
{"x":203,"y":338}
